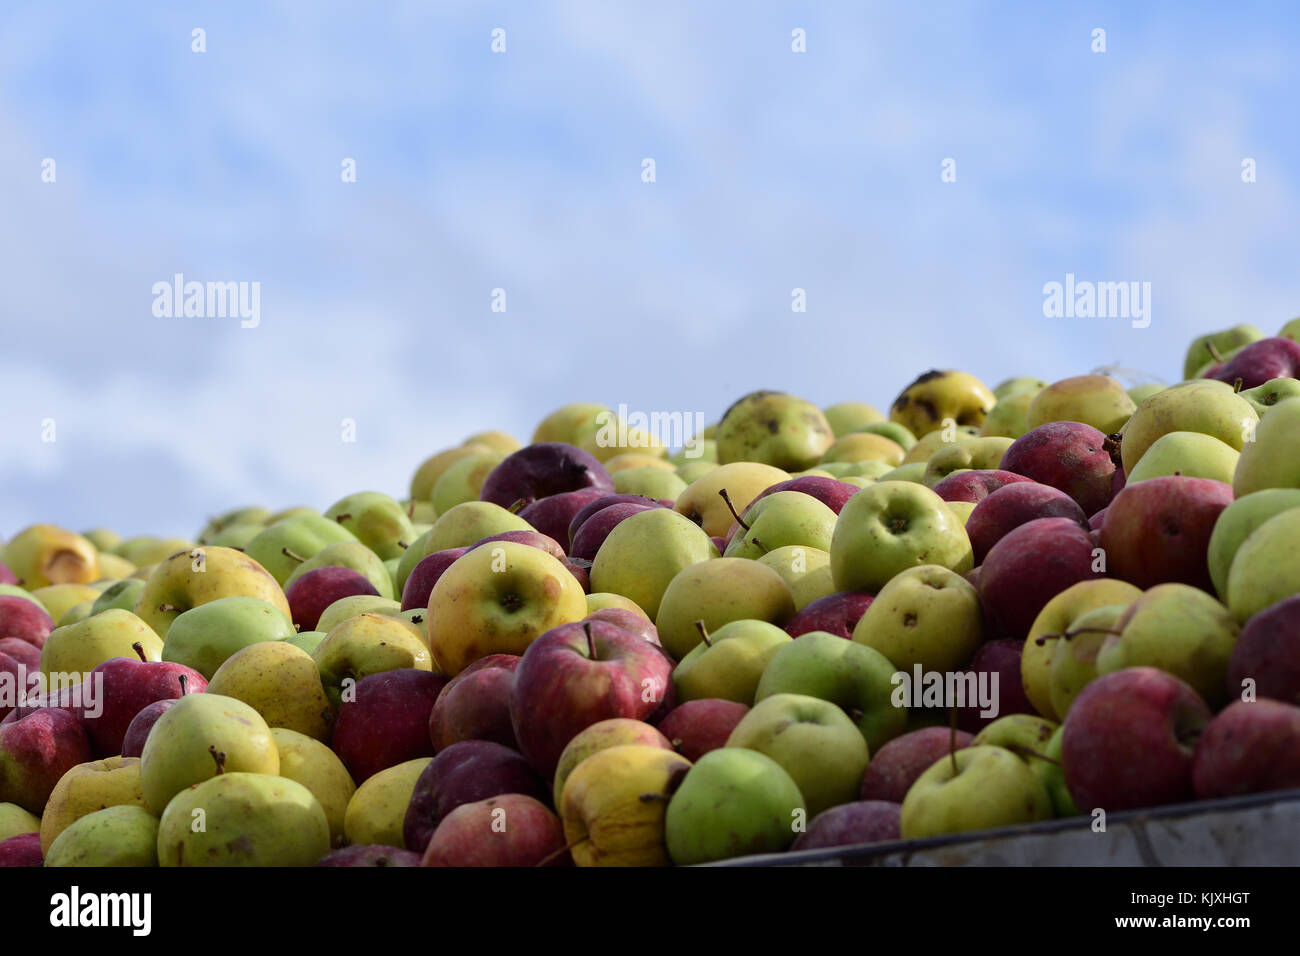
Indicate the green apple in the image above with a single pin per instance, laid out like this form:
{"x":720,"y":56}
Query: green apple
{"x":366,"y":644}
{"x":931,"y":442}
{"x":900,"y":435}
{"x":865,"y":446}
{"x":729,"y":662}
{"x":250,"y":819}
{"x":1038,"y":743}
{"x":251,"y":515}
{"x":198,"y":737}
{"x":702,"y":501}
{"x":348,"y":554}
{"x":806,"y":572}
{"x":1263,"y":397}
{"x":281,"y":547}
{"x":76,"y":613}
{"x":80,"y":648}
{"x":1214,"y":345}
{"x":1096,"y":400}
{"x":1266,"y":568}
{"x":1180,"y":630}
{"x":1291,"y":331}
{"x":355,"y":604}
{"x":279,"y":681}
{"x":191,"y":579}
{"x":120,"y":594}
{"x":116,"y":836}
{"x":846,"y":417}
{"x":377,"y":811}
{"x":718,"y":592}
{"x":104,"y":539}
{"x":236,"y":536}
{"x":976,"y":788}
{"x":312,"y":764}
{"x":926,"y":615}
{"x":145,"y":549}
{"x":15,"y":821}
{"x":307,"y":640}
{"x":913,"y":472}
{"x":463,"y":480}
{"x":1193,"y":454}
{"x":467,"y":524}
{"x":644,"y":552}
{"x":431,"y":469}
{"x":785,"y":518}
{"x":892,"y":526}
{"x":733,"y":802}
{"x":1074,"y":658}
{"x":1205,"y":406}
{"x":651,"y":482}
{"x":692,"y":471}
{"x":1018,"y":385}
{"x":1269,"y":459}
{"x":774,"y":428}
{"x":813,"y":740}
{"x":969,"y":453}
{"x":1009,"y":417}
{"x":854,"y":677}
{"x":696,"y":452}
{"x":378,"y":521}
{"x":1237,"y":522}
{"x":409,"y":559}
{"x":204,"y":637}
{"x":1052,"y":775}
{"x":59,"y":599}
{"x":1140,"y":393}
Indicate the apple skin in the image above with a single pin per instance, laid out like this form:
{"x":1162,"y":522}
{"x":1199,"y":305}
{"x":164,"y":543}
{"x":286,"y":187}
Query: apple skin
{"x":896,"y":765}
{"x":534,"y":539}
{"x":1129,"y":740}
{"x":22,"y":850}
{"x":1003,"y":657}
{"x":593,"y":532}
{"x":7,"y":575}
{"x":319,"y":588}
{"x":1158,"y":531}
{"x":551,"y":515}
{"x":23,"y":652}
{"x":1260,"y":362}
{"x":1011,"y":506}
{"x":466,"y":772}
{"x":1071,"y":456}
{"x":1029,"y":566}
{"x":831,"y":492}
{"x":24,"y":619}
{"x":836,"y":614}
{"x":511,"y":829}
{"x":541,"y":470}
{"x":979,"y":787}
{"x":137,"y":732}
{"x":975,"y":485}
{"x":475,"y":704}
{"x":851,"y":824}
{"x":371,"y":855}
{"x":559,"y":689}
{"x":697,"y":726}
{"x":1249,"y":747}
{"x":606,"y":500}
{"x":419,"y":583}
{"x":1268,"y":652}
{"x":387,"y":722}
{"x":629,"y":621}
{"x":128,"y":686}
{"x":35,"y":751}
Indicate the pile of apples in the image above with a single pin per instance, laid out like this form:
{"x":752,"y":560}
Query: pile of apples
{"x":585,"y":652}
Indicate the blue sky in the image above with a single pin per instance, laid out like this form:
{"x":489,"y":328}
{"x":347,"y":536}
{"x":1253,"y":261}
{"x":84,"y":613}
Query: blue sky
{"x":522,"y":171}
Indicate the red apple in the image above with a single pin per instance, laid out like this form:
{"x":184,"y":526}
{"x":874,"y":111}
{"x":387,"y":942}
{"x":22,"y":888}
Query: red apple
{"x":420,"y":582}
{"x":35,"y":751}
{"x":137,"y":732}
{"x":1000,"y":657}
{"x":1260,"y":362}
{"x":836,"y":613}
{"x":831,"y":492}
{"x":1011,"y":506}
{"x":1129,"y":740}
{"x":600,"y":504}
{"x":127,"y":687}
{"x":1029,"y":566}
{"x":852,"y":824}
{"x":317,"y":589}
{"x":1071,"y":456}
{"x":24,"y":619}
{"x":1250,"y":747}
{"x":1268,"y":652}
{"x":896,"y":765}
{"x":629,"y":621}
{"x":7,"y":575}
{"x":1158,"y":531}
{"x":387,"y":721}
{"x":541,"y":470}
{"x":588,"y":538}
{"x":24,"y":652}
{"x":22,"y":850}
{"x":369,"y":855}
{"x":976,"y":484}
{"x":577,"y":674}
{"x":511,"y":829}
{"x":475,"y":704}
{"x":698,"y":726}
{"x":534,"y":539}
{"x":551,"y":515}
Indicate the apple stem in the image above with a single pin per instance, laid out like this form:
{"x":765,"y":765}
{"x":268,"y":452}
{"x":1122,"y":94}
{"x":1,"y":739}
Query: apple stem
{"x":410,"y":509}
{"x":1237,"y":383}
{"x":759,"y":544}
{"x":704,"y":633}
{"x":220,"y":757}
{"x":1113,"y":445}
{"x":1023,"y":751}
{"x":591,"y":641}
{"x":139,"y":651}
{"x":1066,"y":635}
{"x":1214,"y":353}
{"x":343,"y":517}
{"x":403,"y":545}
{"x":562,"y":850}
{"x":292,"y":555}
{"x":168,"y":608}
{"x":732,"y":508}
{"x":855,"y":714}
{"x":518,"y":505}
{"x":185,"y":683}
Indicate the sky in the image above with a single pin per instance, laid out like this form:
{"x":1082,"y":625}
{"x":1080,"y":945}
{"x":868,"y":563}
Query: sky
{"x":920,"y":171}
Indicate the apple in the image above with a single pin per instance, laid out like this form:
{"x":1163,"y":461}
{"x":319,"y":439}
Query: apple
{"x":466,"y":772}
{"x":1237,"y":522}
{"x":889,"y":527}
{"x":1010,"y":416}
{"x":282,"y":683}
{"x":836,"y":614}
{"x":475,"y":704}
{"x":21,"y":850}
{"x":122,"y":595}
{"x":88,"y":787}
{"x":864,"y":446}
{"x":976,"y":788}
{"x":1158,"y":530}
{"x":44,"y":554}
{"x":36,"y":750}
{"x":137,"y":732}
{"x":1210,"y":347}
{"x":1268,"y":653}
{"x":420,"y":582}
{"x":974,"y":485}
{"x":507,"y":830}
{"x":696,"y":727}
{"x":655,"y":481}
{"x":605,"y":500}
{"x":634,"y":622}
{"x":553,"y":514}
{"x":190,"y":579}
{"x":1029,"y":566}
{"x":846,"y":417}
{"x":895,"y":766}
{"x":354,"y":606}
{"x":1208,"y":407}
{"x":1264,"y":570}
{"x":614,"y":732}
{"x":1263,"y":397}
{"x":77,"y":649}
{"x":571,"y":422}
{"x":377,"y":811}
{"x":367,"y":644}
{"x":543,"y":469}
{"x":1186,"y":453}
{"x":1075,"y":654}
{"x":1013,"y":505}
{"x":1070,"y":456}
{"x":718,"y":592}
{"x":855,"y":677}
{"x":126,"y":686}
{"x":24,"y":619}
{"x":813,"y":740}
{"x":205,"y":637}
{"x":577,"y":674}
{"x":1129,"y":740}
{"x":979,"y":454}
{"x":463,"y":479}
{"x":353,"y":556}
{"x":703,"y":504}
{"x":386,"y":721}
{"x":1267,"y":459}
{"x":1001,"y":661}
{"x":316,"y":590}
{"x":773,"y":428}
{"x":937,"y":396}
{"x":729,"y":662}
{"x":645,"y":552}
{"x":1249,"y":747}
{"x":785,"y":518}
{"x":593,"y":532}
{"x":312,"y":764}
{"x":832,"y":493}
{"x":926,"y":615}
{"x":370,"y":856}
{"x":1260,"y":362}
{"x":1096,"y":400}
{"x":852,"y":824}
